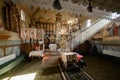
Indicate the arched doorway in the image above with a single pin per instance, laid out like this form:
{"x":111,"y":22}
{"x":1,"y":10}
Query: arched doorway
{"x":46,"y":41}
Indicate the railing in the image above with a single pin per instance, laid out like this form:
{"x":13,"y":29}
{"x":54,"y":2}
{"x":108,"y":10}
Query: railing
{"x":88,"y":32}
{"x":84,"y":29}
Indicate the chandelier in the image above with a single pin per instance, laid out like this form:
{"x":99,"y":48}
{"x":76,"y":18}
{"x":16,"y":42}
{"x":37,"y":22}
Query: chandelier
{"x":57,"y":5}
{"x":89,"y":8}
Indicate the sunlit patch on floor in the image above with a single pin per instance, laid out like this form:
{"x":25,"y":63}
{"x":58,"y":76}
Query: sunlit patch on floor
{"x":30,"y":76}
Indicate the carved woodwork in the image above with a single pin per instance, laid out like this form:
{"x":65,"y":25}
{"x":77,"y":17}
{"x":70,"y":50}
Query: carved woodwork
{"x":49,"y":29}
{"x":4,"y":36}
{"x":11,"y":16}
{"x":25,"y":48}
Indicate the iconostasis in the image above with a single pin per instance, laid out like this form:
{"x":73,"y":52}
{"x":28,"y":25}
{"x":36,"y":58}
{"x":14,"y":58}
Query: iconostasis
{"x":58,"y":30}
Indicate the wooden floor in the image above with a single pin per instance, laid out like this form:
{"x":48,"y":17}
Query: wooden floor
{"x":102,"y":67}
{"x":34,"y":70}
{"x":99,"y":67}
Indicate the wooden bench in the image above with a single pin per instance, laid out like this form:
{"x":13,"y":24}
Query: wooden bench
{"x":11,"y":64}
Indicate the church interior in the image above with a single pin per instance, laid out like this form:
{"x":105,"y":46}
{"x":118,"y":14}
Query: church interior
{"x":59,"y":39}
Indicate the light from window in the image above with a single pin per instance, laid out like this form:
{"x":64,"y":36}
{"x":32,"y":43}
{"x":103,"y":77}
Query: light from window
{"x":30,"y":76}
{"x":88,"y":23}
{"x":22,"y":15}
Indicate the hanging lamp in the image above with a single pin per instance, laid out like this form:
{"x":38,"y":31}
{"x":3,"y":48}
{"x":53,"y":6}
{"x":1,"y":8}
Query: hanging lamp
{"x":57,"y":5}
{"x":89,"y":8}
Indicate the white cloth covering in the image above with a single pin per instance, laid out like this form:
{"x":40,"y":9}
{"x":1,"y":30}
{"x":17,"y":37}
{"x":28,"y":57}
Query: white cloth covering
{"x":36,"y":53}
{"x":53,"y":47}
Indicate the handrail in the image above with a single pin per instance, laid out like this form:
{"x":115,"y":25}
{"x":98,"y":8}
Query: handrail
{"x":87,"y":27}
{"x":84,"y":36}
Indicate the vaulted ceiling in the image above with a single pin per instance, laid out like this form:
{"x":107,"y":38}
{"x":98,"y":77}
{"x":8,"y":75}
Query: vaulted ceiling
{"x":108,"y":5}
{"x":104,"y":5}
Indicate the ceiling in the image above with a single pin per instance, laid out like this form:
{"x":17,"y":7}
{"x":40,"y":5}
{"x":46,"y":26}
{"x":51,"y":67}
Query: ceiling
{"x":102,"y":8}
{"x":108,"y":5}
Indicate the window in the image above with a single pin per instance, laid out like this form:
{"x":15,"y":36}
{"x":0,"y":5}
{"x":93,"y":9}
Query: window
{"x":22,"y":19}
{"x":22,"y":15}
{"x":88,"y":23}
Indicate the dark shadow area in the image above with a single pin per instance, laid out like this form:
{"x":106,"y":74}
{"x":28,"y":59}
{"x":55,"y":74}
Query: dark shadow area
{"x":50,"y":70}
{"x":102,"y":67}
